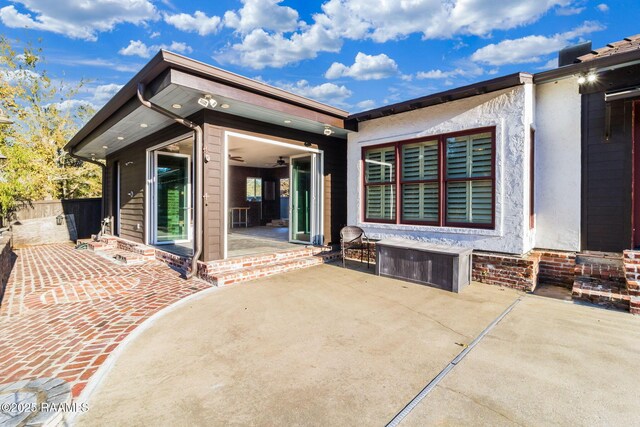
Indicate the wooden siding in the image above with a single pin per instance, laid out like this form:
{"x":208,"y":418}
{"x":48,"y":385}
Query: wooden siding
{"x":335,"y":172}
{"x":133,"y":176}
{"x":606,"y":176}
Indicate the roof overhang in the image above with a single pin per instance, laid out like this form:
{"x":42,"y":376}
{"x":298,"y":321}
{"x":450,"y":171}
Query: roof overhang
{"x":605,"y":63}
{"x":479,"y":88}
{"x":174,"y":79}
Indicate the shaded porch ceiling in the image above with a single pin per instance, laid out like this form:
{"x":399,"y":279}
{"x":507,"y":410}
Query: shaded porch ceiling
{"x":259,"y":154}
{"x":179,"y":91}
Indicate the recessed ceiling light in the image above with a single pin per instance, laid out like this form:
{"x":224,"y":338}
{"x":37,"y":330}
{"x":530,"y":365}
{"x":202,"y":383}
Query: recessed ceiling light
{"x":144,"y":125}
{"x":287,"y":121}
{"x":177,"y":106}
{"x":120,"y":138}
{"x":225,"y":106}
{"x":93,"y":154}
{"x":105,"y":146}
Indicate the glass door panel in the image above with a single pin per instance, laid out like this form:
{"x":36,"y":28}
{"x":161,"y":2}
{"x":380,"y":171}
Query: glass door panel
{"x":172,"y":198}
{"x":301,"y":199}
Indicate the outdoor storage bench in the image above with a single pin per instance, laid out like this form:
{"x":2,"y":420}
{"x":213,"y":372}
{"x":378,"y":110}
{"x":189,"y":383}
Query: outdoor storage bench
{"x":444,"y":267}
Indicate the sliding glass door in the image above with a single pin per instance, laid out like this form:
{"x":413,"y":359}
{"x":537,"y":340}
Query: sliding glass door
{"x":172,"y":178}
{"x":305,"y":201}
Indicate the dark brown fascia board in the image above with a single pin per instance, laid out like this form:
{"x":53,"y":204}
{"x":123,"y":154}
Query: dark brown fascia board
{"x":164,"y":60}
{"x":468,"y":91}
{"x":606,"y":62}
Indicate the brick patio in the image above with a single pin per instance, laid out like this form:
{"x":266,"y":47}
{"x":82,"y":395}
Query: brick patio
{"x":65,"y":310}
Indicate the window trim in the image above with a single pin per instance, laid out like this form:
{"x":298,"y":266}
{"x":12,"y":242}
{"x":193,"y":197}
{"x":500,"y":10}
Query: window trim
{"x":393,"y":183}
{"x":442,"y":180}
{"x":254,"y":179}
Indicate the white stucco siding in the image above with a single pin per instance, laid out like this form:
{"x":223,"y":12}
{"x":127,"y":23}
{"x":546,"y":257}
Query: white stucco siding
{"x":508,"y":111}
{"x":558,"y":165}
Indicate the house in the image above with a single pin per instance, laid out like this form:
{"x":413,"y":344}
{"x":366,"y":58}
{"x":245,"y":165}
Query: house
{"x":526,"y":169}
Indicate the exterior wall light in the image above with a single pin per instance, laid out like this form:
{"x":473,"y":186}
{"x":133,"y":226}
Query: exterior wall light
{"x":208,"y":101}
{"x":587,"y":78}
{"x":59,"y":219}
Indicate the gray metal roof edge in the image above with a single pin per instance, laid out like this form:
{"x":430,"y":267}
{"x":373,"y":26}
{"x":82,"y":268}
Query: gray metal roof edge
{"x":479,"y":88}
{"x":164,"y":60}
{"x":606,"y":61}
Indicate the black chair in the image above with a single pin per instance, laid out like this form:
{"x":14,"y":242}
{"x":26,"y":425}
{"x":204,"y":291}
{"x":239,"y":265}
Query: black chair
{"x":352,"y":237}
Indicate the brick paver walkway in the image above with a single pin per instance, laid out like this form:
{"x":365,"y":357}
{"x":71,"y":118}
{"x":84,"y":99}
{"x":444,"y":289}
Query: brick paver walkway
{"x":65,"y":310}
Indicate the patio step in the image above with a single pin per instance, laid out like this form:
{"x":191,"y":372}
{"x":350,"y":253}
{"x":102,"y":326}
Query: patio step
{"x":606,"y":293}
{"x":238,"y":275}
{"x":234,"y":264}
{"x":600,"y":279}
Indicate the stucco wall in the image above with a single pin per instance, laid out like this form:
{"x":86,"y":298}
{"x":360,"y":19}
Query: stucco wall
{"x":508,"y":111}
{"x":558,"y":165}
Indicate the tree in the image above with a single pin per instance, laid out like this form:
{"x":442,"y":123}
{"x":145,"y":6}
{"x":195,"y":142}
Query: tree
{"x":46,"y":116}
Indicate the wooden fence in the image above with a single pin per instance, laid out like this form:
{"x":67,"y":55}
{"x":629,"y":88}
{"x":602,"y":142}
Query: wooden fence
{"x":87,"y":213}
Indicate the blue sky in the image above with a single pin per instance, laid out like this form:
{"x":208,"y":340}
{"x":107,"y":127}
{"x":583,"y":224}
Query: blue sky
{"x":354,"y":54}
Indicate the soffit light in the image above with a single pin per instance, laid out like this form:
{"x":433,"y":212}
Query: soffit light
{"x":225,"y":106}
{"x":587,"y":78}
{"x":176,"y":106}
{"x":327,"y":131}
{"x":287,"y":121}
{"x":144,"y":125}
{"x":120,"y":138}
{"x":208,"y":101}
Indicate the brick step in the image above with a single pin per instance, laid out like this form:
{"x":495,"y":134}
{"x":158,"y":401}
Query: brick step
{"x":234,"y":264}
{"x":97,"y":246}
{"x":607,"y":293}
{"x":245,"y":274}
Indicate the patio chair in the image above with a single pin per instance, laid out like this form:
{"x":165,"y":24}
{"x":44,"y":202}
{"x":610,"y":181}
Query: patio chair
{"x":352,"y":237}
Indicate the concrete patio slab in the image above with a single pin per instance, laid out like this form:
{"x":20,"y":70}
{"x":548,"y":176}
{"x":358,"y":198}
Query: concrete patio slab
{"x":325,"y":345}
{"x":547,"y":363}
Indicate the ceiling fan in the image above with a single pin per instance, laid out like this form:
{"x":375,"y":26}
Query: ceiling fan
{"x":280,"y":163}
{"x":236,"y":158}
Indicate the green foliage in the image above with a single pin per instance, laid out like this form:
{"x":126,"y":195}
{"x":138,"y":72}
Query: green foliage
{"x":37,"y":168}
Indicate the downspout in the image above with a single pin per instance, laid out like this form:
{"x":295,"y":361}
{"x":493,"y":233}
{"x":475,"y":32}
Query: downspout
{"x":197,"y":175}
{"x":104,"y":176}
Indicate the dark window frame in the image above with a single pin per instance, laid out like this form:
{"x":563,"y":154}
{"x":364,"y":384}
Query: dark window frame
{"x":442,"y":180}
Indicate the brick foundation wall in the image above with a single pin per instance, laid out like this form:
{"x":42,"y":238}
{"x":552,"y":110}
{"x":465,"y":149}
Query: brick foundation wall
{"x":7,"y":259}
{"x":357,"y":255}
{"x":511,"y":271}
{"x":177,"y":261}
{"x":631,"y":261}
{"x":556,"y":267}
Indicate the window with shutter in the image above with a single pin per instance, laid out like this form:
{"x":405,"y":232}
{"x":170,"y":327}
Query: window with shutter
{"x":469,"y":171}
{"x":453,"y":173}
{"x":420,"y":188}
{"x":380,"y":192}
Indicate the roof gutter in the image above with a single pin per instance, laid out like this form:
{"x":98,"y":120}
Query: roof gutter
{"x":197,"y":175}
{"x":103,"y":167}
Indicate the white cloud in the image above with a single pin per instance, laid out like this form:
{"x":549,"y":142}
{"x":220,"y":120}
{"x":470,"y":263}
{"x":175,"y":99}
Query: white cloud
{"x":367,"y":104}
{"x":73,"y":104}
{"x":390,"y":20}
{"x":602,"y":7}
{"x":262,"y":14}
{"x":272,"y":35}
{"x":97,"y":62}
{"x":530,"y":48}
{"x":325,"y":92}
{"x":437,"y":74}
{"x":568,"y":11}
{"x":77,"y":19}
{"x":199,"y":22}
{"x":154,"y":35}
{"x":365,"y":67}
{"x":103,"y":93}
{"x":552,"y":63}
{"x":139,"y":48}
{"x":260,"y":49}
